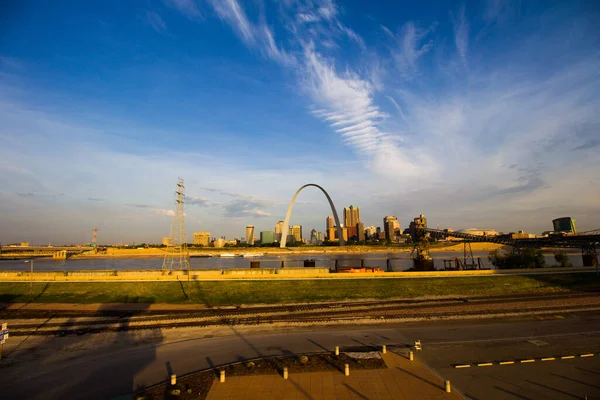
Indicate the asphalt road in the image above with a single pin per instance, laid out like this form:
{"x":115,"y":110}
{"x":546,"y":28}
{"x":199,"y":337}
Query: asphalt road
{"x":108,"y":372}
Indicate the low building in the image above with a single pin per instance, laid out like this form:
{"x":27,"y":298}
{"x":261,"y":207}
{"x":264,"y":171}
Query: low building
{"x":267,"y":237}
{"x":202,"y":238}
{"x":167,"y":241}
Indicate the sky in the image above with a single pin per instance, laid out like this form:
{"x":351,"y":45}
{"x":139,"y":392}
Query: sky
{"x":476,"y":114}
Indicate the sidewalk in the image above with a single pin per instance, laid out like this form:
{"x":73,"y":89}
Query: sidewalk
{"x":402,"y":380}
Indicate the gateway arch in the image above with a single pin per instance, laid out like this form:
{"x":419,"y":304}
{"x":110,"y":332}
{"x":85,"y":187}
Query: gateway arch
{"x":286,"y":223}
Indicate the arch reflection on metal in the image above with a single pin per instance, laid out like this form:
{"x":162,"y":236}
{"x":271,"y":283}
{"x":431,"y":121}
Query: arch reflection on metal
{"x":286,"y":223}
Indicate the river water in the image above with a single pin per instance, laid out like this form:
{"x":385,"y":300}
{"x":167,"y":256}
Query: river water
{"x":399,"y":262}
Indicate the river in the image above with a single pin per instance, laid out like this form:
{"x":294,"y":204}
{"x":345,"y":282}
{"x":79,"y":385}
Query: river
{"x":399,"y":262}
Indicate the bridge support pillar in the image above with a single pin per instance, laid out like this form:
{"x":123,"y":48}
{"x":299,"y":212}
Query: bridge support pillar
{"x":60,"y":255}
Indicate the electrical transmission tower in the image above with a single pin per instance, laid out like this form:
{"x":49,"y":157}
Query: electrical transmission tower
{"x":176,"y":255}
{"x":94,"y":236}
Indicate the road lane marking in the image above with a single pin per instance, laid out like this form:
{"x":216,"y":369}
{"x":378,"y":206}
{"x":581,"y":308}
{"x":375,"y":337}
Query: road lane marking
{"x":549,"y":359}
{"x":506,"y":362}
{"x":527,"y":361}
{"x":485,"y":364}
{"x":587,"y":355}
{"x":566,"y":357}
{"x":463,"y":366}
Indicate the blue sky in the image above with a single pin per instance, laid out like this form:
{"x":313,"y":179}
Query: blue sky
{"x":480,"y":114}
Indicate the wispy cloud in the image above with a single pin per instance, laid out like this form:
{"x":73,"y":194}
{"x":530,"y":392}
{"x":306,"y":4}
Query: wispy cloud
{"x":258,"y":36}
{"x":461,"y":33}
{"x":189,"y":8}
{"x":138,"y":205}
{"x":239,"y":208}
{"x":199,"y":201}
{"x":411,"y":45}
{"x":156,"y":22}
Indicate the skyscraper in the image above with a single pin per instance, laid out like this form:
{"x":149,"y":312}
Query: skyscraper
{"x":360,"y":231}
{"x":278,"y":230}
{"x":351,"y":216}
{"x":250,"y":234}
{"x":329,"y":223}
{"x":391,"y":226}
{"x":296,"y":232}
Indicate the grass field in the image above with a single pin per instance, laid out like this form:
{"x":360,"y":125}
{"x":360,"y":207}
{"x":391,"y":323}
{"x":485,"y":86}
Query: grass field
{"x":223,"y":293}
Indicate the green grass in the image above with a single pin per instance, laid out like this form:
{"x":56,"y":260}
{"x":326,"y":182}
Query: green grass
{"x":222,"y":293}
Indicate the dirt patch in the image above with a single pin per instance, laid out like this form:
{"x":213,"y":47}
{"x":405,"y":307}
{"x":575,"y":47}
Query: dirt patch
{"x":197,"y":385}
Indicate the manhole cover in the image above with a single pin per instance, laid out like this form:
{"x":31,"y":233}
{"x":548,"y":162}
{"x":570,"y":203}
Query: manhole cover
{"x":538,"y":342}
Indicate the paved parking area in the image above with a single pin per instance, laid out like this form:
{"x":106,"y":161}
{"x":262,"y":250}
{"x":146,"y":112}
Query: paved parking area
{"x":553,"y":378}
{"x":402,"y":379}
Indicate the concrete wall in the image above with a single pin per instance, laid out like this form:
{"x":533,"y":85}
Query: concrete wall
{"x":249,"y":271}
{"x":302,"y":271}
{"x":265,"y":273}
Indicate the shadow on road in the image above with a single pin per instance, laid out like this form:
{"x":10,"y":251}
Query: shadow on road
{"x":74,"y":362}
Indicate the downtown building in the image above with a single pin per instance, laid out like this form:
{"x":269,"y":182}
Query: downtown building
{"x":201,"y":238}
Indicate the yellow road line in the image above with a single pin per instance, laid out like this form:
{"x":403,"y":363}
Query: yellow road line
{"x":463,"y":366}
{"x":549,"y":359}
{"x":565,"y":357}
{"x":506,"y":362}
{"x":587,"y":355}
{"x":485,"y":364}
{"x":527,"y":361}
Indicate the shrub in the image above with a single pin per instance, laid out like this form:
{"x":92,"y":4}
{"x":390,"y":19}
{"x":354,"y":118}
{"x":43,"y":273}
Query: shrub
{"x":562,"y":259}
{"x":303,"y":359}
{"x":250,"y":364}
{"x":525,"y":258}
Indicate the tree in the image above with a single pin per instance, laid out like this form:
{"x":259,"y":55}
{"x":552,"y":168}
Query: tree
{"x":562,"y":259}
{"x":519,"y":258}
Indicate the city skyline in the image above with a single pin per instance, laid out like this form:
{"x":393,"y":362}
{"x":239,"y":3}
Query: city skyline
{"x":476,"y":115}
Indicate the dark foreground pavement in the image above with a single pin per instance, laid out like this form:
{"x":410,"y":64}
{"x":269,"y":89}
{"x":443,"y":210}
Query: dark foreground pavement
{"x":108,"y":373}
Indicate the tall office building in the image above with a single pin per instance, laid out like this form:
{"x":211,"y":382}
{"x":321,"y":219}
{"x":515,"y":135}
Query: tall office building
{"x":314,"y":237}
{"x":202,"y":238}
{"x":329,"y":223}
{"x":331,"y":233}
{"x":351,"y":216}
{"x":250,"y":234}
{"x":370,"y":232}
{"x":267,"y":237}
{"x":278,"y":230}
{"x":360,"y":231}
{"x":296,"y":232}
{"x":391,"y":227}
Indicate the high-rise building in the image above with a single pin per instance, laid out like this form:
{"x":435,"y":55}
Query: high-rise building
{"x":360,"y":231}
{"x":370,"y":232}
{"x":278,"y":230}
{"x":314,"y":237}
{"x":345,"y":233}
{"x":329,"y":223}
{"x":331,"y":233}
{"x":250,"y":234}
{"x":391,"y":227}
{"x":351,"y":216}
{"x":564,"y":224}
{"x":296,"y":232}
{"x":201,"y":238}
{"x":267,"y":237}
{"x":352,"y":233}
{"x":416,"y":225}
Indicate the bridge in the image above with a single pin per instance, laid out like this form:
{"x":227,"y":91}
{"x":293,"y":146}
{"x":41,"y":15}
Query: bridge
{"x":586,"y":241}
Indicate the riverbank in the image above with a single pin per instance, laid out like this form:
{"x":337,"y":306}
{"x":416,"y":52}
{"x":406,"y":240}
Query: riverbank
{"x":274,"y":251}
{"x":236,"y":292}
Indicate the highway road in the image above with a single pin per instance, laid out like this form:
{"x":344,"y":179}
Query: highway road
{"x":105,"y":366}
